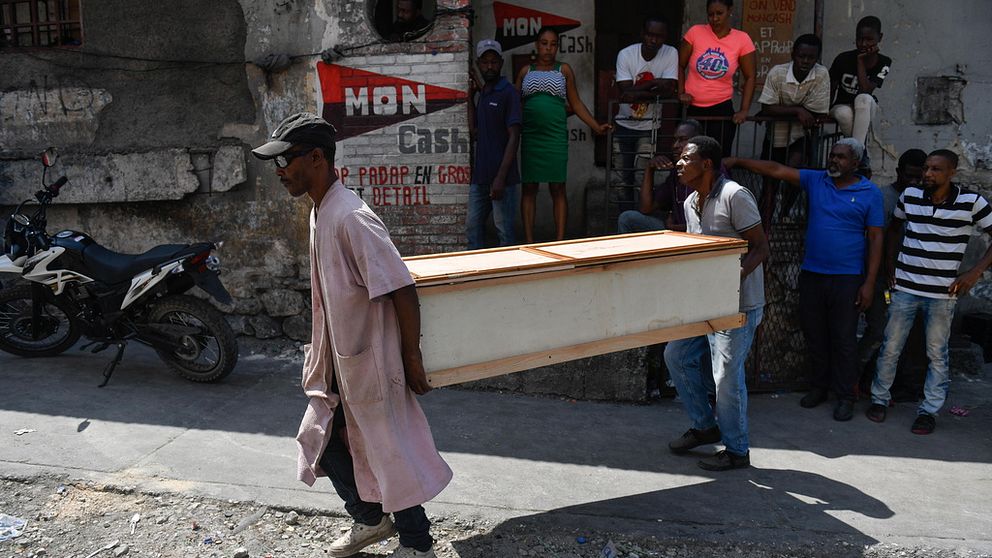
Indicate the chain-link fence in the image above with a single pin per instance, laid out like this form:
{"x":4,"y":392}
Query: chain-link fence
{"x":778,"y":356}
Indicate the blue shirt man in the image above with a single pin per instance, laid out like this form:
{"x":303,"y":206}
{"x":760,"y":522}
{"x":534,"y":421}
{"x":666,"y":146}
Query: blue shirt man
{"x":846,"y":215}
{"x":495,"y":125}
{"x":835,"y":238}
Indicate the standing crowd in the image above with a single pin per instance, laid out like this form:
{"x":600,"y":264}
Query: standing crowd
{"x":866,"y":246}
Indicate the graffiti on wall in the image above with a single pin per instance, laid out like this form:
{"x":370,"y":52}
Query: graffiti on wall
{"x":412,"y":139}
{"x":402,"y":184}
{"x":358,"y":101}
{"x":769,"y":23}
{"x":49,"y":111}
{"x":518,"y":26}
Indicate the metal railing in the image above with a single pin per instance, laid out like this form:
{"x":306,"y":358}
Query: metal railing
{"x":778,"y":355}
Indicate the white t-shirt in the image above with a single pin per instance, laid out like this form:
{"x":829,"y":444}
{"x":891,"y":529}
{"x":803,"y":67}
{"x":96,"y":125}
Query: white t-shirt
{"x":631,"y":66}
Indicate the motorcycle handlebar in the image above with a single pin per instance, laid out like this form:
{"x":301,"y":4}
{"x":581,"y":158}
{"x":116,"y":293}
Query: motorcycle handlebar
{"x":57,"y":185}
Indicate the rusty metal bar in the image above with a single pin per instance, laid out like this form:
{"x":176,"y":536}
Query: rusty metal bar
{"x":818,"y":18}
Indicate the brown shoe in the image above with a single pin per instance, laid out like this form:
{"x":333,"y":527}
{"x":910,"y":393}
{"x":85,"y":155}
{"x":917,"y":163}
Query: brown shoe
{"x":876,"y":413}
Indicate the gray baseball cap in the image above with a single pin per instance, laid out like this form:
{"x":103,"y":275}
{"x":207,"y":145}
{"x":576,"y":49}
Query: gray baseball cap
{"x":302,"y":127}
{"x":488,"y":44}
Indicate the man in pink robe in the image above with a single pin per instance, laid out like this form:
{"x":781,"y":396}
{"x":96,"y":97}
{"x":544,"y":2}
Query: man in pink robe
{"x":363,"y":427}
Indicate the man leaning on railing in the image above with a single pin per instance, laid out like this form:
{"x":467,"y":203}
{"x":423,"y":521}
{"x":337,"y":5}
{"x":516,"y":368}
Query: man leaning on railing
{"x":645,"y":71}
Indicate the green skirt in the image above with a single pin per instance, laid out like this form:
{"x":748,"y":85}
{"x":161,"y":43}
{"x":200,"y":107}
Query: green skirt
{"x":544,"y":141}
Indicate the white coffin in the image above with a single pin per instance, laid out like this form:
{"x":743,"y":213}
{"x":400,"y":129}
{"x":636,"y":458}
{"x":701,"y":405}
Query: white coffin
{"x":490,"y":312}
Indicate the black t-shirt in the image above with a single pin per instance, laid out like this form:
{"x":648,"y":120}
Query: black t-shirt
{"x":844,"y":74}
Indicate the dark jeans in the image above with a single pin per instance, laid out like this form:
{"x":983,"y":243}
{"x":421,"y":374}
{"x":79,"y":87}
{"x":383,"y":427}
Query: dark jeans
{"x":830,"y":324}
{"x":411,"y":523}
{"x":722,"y":131}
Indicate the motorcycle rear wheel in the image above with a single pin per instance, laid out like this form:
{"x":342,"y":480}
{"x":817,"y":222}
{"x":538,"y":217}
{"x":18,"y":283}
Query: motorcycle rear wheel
{"x":16,"y":326}
{"x":207,"y":356}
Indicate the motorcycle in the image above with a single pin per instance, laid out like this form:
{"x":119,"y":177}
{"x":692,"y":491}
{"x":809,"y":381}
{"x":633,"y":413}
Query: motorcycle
{"x":76,"y":287}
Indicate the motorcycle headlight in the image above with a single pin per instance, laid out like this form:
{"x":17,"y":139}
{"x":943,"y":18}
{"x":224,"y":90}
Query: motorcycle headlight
{"x":212,"y":263}
{"x":15,"y":244}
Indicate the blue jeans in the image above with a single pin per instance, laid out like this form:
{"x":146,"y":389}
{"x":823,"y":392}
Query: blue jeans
{"x":729,"y":349}
{"x":504,"y":212}
{"x":937,"y":315}
{"x":634,"y":221}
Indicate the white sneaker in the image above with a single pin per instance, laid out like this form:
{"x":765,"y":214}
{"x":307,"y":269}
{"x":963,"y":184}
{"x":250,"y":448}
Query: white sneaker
{"x":360,"y":536}
{"x":407,"y":552}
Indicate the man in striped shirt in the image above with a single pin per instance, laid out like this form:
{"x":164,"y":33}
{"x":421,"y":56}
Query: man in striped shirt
{"x":938,"y":221}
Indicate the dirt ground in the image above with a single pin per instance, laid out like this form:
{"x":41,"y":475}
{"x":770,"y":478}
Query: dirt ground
{"x":86,"y":520}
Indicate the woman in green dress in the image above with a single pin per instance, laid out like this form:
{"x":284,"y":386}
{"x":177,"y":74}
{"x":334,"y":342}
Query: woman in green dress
{"x":548,"y":89}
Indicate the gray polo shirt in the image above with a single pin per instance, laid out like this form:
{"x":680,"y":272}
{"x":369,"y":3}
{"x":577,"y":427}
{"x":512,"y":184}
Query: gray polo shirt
{"x":730,"y":209}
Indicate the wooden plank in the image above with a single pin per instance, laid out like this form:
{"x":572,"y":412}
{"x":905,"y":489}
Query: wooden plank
{"x":538,"y":258}
{"x":474,"y":263}
{"x":612,"y":247}
{"x":533,"y":250}
{"x":518,"y":363}
{"x":433,"y":286}
{"x":473,"y":281}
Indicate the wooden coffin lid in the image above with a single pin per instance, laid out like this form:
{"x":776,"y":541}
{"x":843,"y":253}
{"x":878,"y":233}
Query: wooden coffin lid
{"x":456,"y":267}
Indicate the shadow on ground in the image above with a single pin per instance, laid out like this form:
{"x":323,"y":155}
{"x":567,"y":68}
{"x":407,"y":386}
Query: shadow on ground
{"x":791,"y":511}
{"x":263,"y":396}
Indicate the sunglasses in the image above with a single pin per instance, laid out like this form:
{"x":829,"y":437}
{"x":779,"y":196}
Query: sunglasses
{"x":283,"y":160}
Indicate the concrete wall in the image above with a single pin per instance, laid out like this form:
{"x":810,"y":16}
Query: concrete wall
{"x":154,"y":116}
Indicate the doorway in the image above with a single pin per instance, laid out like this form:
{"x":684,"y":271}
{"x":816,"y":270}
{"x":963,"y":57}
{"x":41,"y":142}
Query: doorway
{"x":616,"y":29}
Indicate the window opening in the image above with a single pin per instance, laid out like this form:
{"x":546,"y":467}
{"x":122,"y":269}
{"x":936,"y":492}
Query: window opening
{"x":402,"y":20}
{"x":40,"y":23}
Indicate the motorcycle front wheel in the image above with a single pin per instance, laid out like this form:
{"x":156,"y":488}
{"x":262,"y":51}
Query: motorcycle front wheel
{"x":20,"y":335}
{"x":209,"y":352}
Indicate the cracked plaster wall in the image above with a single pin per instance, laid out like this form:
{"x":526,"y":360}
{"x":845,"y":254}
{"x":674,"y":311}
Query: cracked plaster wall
{"x":153,"y":116}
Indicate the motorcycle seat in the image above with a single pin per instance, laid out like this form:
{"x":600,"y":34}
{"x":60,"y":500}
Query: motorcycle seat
{"x":114,"y":267}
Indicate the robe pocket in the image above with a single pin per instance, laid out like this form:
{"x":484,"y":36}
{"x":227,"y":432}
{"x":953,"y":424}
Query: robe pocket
{"x":360,"y":378}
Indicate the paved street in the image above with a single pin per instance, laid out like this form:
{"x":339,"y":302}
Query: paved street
{"x":520,"y":460}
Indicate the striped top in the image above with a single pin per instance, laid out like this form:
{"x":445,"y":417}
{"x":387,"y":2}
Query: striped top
{"x":936,"y":237}
{"x":551,"y":82}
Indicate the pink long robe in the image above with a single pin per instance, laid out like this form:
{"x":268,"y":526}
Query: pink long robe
{"x":353,"y":266}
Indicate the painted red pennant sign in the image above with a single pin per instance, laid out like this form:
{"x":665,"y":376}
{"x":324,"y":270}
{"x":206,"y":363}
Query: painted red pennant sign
{"x":357,"y":101}
{"x":517,"y":26}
